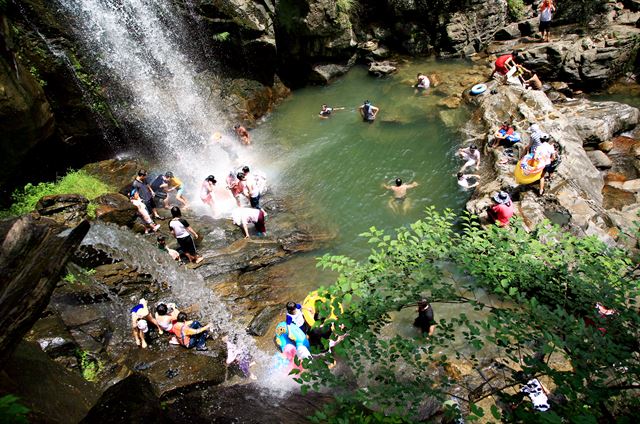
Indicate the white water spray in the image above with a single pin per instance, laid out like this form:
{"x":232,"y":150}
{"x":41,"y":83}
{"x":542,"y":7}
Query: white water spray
{"x":138,"y":43}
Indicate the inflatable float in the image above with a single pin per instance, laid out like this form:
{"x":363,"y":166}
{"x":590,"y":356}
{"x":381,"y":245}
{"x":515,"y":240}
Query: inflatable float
{"x":478,"y":89}
{"x":292,"y":335}
{"x":529,"y":169}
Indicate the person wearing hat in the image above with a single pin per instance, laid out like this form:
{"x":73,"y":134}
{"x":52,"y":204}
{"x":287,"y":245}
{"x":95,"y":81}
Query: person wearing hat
{"x":368,"y":111}
{"x":175,"y":184}
{"x":502,"y":211}
{"x":206,"y":193}
{"x":425,"y":320}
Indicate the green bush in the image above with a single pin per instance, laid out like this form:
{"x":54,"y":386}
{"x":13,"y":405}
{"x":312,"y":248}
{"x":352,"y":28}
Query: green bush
{"x":89,"y":365}
{"x":75,"y":182}
{"x":11,"y":411}
{"x":516,"y":9}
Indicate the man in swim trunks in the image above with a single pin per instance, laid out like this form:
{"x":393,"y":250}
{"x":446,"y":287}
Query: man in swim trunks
{"x":471,"y":155}
{"x":398,"y":202}
{"x":368,"y":111}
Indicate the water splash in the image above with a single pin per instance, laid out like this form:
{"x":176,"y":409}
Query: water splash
{"x":139,"y":44}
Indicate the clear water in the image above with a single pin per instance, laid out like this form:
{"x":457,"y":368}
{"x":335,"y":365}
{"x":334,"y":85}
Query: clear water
{"x":341,"y":163}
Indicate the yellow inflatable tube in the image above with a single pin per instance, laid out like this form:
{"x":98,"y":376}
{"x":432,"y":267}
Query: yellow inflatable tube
{"x":309,"y":307}
{"x":523,"y":177}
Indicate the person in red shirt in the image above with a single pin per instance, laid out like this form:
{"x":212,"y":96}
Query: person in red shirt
{"x":502,"y":211}
{"x":190,"y":333}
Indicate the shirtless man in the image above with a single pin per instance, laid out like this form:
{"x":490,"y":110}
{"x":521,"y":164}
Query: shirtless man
{"x":242,"y":134}
{"x":399,"y":203}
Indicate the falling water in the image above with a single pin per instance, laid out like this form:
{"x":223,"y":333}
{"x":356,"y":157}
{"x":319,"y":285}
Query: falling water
{"x":139,"y":44}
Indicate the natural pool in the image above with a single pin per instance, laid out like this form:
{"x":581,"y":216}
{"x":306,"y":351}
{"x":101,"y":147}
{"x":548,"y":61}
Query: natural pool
{"x":341,"y":163}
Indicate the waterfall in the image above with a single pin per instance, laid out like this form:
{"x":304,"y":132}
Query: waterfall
{"x":140,"y":45}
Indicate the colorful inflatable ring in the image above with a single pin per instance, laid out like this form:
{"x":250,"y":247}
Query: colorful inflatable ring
{"x":478,"y":89}
{"x":309,"y":307}
{"x":290,"y":334}
{"x":527,"y":174}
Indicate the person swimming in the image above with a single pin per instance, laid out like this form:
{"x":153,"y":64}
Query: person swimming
{"x":399,"y":195}
{"x":326,"y":111}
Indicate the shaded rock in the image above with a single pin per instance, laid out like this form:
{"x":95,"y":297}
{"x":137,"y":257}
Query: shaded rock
{"x":121,"y":279}
{"x":52,"y":393}
{"x":131,"y":400}
{"x":245,"y":404}
{"x":509,"y":32}
{"x":528,"y":27}
{"x":115,"y":208}
{"x":117,"y":173}
{"x":261,"y":322}
{"x":66,"y":209}
{"x":32,"y":254}
{"x":251,"y":99}
{"x":326,"y":73}
{"x":470,"y":30}
{"x":380,"y":69}
{"x":605,"y":146}
{"x":51,"y":334}
{"x":191,"y":370}
{"x":599,"y":159}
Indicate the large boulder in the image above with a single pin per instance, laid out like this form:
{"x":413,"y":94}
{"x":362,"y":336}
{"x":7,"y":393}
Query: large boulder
{"x":115,"y":208}
{"x":32,"y":254}
{"x":66,"y":209}
{"x":131,"y":400}
{"x":590,"y":62}
{"x":471,"y":30}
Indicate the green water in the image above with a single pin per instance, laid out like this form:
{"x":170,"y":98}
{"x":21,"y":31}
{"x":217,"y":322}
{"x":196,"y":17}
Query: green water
{"x":340,"y":164}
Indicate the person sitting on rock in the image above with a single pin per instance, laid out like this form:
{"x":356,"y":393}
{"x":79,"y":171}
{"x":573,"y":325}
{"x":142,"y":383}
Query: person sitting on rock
{"x":502,"y":211}
{"x":190,"y":333}
{"x":140,"y":319}
{"x":149,"y":225}
{"x":242,"y":217}
{"x":531,"y":80}
{"x":505,"y":135}
{"x":295,"y":316}
{"x":166,"y":315}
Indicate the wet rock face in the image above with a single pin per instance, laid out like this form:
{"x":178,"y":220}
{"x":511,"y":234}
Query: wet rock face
{"x":471,"y":30}
{"x":115,"y":208}
{"x":130,"y":400}
{"x":66,"y":209}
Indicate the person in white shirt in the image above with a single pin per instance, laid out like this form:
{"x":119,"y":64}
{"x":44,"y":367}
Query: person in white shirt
{"x":463,"y":180}
{"x":471,"y":155}
{"x":242,"y":217}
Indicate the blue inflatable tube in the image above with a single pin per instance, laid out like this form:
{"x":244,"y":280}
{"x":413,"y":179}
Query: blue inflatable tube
{"x":478,"y":89}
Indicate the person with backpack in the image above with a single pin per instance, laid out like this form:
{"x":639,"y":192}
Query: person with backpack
{"x":368,"y":111}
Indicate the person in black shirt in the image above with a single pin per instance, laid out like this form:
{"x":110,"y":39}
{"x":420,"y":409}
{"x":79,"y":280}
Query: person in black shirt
{"x":425,"y":320}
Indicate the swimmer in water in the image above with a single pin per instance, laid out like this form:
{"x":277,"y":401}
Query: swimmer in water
{"x":326,"y":111}
{"x":399,"y":203}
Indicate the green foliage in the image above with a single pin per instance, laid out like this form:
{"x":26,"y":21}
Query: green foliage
{"x":70,"y":278}
{"x":75,"y":182}
{"x":89,"y":366}
{"x":222,"y":36}
{"x":345,"y":6}
{"x":11,"y":411}
{"x":516,"y":9}
{"x":34,"y":71}
{"x":83,"y":277}
{"x":521,"y":297}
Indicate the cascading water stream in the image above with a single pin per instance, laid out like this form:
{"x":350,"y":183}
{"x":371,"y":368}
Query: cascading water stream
{"x":138,"y":43}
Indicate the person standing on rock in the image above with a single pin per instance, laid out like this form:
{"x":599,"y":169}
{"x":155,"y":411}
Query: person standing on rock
{"x":190,"y":333}
{"x":242,"y":134}
{"x":146,"y":193}
{"x":140,"y":319}
{"x":253,"y":184}
{"x":183,"y":233}
{"x":175,"y":184}
{"x":159,"y":186}
{"x":206,"y":193}
{"x":368,"y":111}
{"x":547,"y":8}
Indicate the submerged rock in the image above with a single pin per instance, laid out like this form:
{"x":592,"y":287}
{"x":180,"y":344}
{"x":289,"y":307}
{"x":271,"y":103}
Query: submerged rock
{"x":380,"y":69}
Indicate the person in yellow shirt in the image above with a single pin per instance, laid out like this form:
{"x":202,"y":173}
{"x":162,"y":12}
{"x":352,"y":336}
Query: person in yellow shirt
{"x":175,"y":184}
